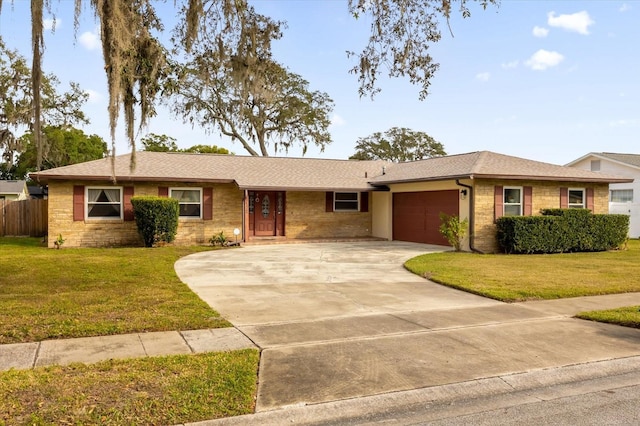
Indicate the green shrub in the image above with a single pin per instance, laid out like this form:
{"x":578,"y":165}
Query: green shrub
{"x":219,"y":239}
{"x":562,"y":230}
{"x":453,"y":229}
{"x":156,"y":218}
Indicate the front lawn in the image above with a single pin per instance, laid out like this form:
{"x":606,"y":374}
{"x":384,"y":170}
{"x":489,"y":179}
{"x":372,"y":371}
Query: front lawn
{"x":513,"y":278}
{"x":146,"y":391}
{"x":47,"y":293}
{"x":628,"y":316}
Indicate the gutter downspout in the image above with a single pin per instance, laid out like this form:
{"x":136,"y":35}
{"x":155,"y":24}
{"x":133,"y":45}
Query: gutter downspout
{"x":471,"y":216}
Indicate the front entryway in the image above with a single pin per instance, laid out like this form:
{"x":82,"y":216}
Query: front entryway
{"x":266,"y":213}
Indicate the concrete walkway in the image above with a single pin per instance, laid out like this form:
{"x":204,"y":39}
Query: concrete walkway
{"x":346,"y":320}
{"x":95,"y":349}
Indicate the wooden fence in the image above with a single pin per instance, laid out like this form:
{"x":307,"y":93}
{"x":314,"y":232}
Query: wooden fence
{"x":23,"y":218}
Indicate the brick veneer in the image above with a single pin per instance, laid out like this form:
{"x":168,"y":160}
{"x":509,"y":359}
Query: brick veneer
{"x":227,"y":215}
{"x":545,"y":195}
{"x":305,"y":218}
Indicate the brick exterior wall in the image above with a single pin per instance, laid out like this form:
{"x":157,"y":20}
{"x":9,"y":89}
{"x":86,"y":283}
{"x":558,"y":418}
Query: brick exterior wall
{"x":306,"y":217}
{"x":544,"y":195}
{"x":227,"y":215}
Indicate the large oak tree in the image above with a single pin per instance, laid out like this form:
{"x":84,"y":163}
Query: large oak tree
{"x":401,"y":33}
{"x":398,"y":144}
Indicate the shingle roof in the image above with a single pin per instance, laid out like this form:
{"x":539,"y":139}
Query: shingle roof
{"x":630,"y":159}
{"x":12,"y":186}
{"x":316,"y":174}
{"x":246,"y":171}
{"x":487,"y":165}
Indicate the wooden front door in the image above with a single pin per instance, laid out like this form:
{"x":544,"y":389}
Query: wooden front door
{"x":265,"y":214}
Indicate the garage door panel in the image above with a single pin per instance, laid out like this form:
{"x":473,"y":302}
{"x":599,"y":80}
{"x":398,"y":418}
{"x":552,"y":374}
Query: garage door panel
{"x":416,"y":215}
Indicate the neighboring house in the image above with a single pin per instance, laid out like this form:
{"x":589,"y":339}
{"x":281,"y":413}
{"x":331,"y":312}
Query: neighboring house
{"x":13,"y":190}
{"x":624,"y":198}
{"x":37,"y":192}
{"x":299,"y":198}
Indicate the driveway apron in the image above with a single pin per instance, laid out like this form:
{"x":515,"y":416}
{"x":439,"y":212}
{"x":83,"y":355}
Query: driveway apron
{"x":343,"y":320}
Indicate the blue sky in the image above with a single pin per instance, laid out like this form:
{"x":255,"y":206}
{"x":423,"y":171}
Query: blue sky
{"x":544,"y":80}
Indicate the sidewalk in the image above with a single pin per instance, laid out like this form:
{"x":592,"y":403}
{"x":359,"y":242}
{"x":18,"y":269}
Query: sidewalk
{"x":95,"y":349}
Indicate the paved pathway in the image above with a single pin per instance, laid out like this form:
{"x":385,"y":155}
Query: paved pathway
{"x":95,"y":349}
{"x":346,"y":320}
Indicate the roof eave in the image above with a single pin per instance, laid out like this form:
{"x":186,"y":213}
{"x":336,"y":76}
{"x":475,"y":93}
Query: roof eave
{"x":46,"y":178}
{"x":555,"y":178}
{"x":308,"y":188}
{"x":412,"y":180}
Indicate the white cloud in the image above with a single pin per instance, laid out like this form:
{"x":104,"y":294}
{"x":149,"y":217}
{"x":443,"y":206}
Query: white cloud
{"x":510,"y":65}
{"x":90,"y":40}
{"x":543,"y":59}
{"x":483,"y":76}
{"x":625,"y":7}
{"x":540,"y":31}
{"x":337,"y":121}
{"x":51,"y":23}
{"x":578,"y":22}
{"x":624,"y":123}
{"x":94,"y":97}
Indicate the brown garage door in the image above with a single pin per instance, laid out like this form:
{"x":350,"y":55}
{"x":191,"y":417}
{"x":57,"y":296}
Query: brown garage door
{"x":416,"y":215}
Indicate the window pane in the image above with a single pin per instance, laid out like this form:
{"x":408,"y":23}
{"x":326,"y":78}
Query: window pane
{"x":344,"y":196}
{"x":190,"y":210}
{"x":346,"y":205}
{"x":103,"y":210}
{"x":622,"y":195}
{"x":512,"y":210}
{"x":512,"y":195}
{"x":186,"y":195}
{"x":576,"y":196}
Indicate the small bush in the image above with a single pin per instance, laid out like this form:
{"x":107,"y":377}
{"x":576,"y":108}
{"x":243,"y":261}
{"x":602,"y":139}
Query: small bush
{"x":453,"y":229}
{"x":219,"y":239}
{"x":562,"y":230}
{"x":156,"y":218}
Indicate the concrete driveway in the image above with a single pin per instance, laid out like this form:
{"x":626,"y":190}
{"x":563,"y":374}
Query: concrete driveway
{"x":344,"y":320}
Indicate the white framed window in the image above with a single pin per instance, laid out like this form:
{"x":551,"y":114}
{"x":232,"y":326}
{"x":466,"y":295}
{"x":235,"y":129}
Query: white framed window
{"x":346,"y":201}
{"x":103,"y":202}
{"x":621,"y":196}
{"x":512,"y":200}
{"x":190,"y":200}
{"x":577,"y":198}
{"x":595,"y":165}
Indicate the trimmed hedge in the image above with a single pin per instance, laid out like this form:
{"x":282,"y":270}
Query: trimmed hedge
{"x":156,"y":218}
{"x":562,"y":230}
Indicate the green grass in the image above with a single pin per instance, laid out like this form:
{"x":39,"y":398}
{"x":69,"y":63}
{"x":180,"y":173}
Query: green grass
{"x":161,"y":390}
{"x":47,"y":293}
{"x":628,"y":316}
{"x":529,"y":277}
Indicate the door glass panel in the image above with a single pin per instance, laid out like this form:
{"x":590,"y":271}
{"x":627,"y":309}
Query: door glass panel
{"x":265,"y":206}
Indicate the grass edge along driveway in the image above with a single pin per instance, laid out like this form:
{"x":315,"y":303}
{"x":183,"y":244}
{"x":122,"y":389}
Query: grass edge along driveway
{"x":518,"y":278}
{"x":66,"y":293}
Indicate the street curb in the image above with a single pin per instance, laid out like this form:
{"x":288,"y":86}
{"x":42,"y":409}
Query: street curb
{"x":457,"y":398}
